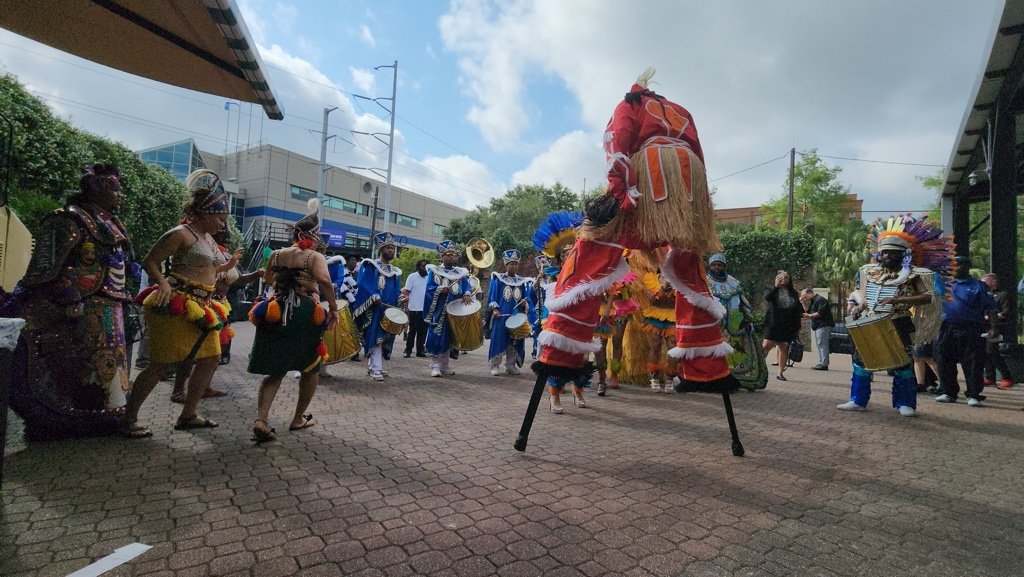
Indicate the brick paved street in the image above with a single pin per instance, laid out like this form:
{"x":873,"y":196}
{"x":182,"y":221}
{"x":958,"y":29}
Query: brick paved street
{"x":417,"y":476}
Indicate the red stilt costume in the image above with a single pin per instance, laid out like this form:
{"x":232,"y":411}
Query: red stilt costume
{"x":657,"y":197}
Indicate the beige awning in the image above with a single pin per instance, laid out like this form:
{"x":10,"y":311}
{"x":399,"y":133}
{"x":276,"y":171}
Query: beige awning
{"x":202,"y":45}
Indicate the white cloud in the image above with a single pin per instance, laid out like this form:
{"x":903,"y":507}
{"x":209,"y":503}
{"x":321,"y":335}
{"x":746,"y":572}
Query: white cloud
{"x":365,"y":80}
{"x":758,"y":80}
{"x":572,"y":159}
{"x":457,"y":180}
{"x":366,"y":36}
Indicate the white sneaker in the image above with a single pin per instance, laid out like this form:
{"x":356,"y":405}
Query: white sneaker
{"x":655,"y":386}
{"x":944,"y":399}
{"x":972,"y":402}
{"x":377,"y":376}
{"x":448,"y":372}
{"x":494,"y":371}
{"x":907,"y":411}
{"x":513,"y":371}
{"x":851,"y":406}
{"x":435,"y":372}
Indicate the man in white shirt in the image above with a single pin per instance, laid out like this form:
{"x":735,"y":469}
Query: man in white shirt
{"x":415,"y":290}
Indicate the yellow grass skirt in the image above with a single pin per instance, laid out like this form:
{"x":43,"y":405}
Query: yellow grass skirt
{"x":171,"y":338}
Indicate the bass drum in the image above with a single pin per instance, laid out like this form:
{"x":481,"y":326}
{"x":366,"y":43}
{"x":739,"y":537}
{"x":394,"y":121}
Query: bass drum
{"x":342,"y":341}
{"x":464,"y":321}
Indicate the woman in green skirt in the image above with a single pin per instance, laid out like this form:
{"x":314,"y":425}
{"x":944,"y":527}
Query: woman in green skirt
{"x":290,"y":324}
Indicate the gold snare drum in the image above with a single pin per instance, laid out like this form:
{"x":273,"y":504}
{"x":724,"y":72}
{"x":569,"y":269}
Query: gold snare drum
{"x":878,"y":342}
{"x":464,"y":321}
{"x":394,"y":320}
{"x":518,"y":326}
{"x":342,"y":341}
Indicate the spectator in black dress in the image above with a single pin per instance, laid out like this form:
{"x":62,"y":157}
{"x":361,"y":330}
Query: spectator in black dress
{"x":783,"y":320}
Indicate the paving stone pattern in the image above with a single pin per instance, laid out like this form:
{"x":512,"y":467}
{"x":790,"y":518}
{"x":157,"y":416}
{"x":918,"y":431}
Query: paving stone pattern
{"x":417,"y":476}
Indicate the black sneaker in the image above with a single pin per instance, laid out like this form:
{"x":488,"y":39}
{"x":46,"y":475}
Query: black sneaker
{"x":421,"y":355}
{"x":407,"y":354}
{"x":820,"y":367}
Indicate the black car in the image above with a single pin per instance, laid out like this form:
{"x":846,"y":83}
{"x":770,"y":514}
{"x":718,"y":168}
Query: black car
{"x":840,"y":341}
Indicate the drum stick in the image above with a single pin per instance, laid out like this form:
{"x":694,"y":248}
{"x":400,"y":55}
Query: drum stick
{"x":531,"y":410}
{"x":737,"y":446}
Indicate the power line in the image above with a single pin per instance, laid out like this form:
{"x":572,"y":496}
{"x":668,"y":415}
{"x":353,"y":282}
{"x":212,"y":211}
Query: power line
{"x":872,"y":161}
{"x":749,"y":168}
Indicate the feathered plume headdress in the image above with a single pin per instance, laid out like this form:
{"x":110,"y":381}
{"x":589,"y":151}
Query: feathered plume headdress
{"x":929,"y":247}
{"x":307,"y":228}
{"x":557,"y":231}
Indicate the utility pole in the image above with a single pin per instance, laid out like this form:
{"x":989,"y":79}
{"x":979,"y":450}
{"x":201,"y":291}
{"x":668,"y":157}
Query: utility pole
{"x":322,"y":181}
{"x":373,"y":215}
{"x":391,"y":146}
{"x":792,"y":173}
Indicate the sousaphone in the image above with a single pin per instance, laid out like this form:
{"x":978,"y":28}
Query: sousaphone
{"x":480,"y":255}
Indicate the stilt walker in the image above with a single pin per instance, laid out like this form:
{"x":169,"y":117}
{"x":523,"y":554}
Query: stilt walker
{"x":657,"y":197}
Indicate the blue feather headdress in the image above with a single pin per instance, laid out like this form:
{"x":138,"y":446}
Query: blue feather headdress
{"x":556,"y":231}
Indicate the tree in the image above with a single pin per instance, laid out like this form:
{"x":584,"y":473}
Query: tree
{"x":818,"y":196}
{"x":407,"y":257}
{"x":755,"y":255}
{"x":837,"y":258}
{"x":49,"y":154}
{"x":510,"y":220}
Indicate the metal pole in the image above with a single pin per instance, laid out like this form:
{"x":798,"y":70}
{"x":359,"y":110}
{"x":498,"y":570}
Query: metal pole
{"x":373,"y":218}
{"x":391,"y":151}
{"x":321,"y":182}
{"x":792,"y":174}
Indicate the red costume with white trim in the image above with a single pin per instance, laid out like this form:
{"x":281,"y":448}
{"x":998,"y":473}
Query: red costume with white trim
{"x":656,"y":177}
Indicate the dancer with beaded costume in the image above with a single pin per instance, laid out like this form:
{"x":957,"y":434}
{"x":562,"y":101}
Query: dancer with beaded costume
{"x":900,"y":282}
{"x":378,"y":287}
{"x":70,"y":368}
{"x":508,"y":294}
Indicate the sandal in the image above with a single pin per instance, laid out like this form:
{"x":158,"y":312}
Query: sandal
{"x":194,"y":422}
{"x":263,"y":436}
{"x":307,"y":421}
{"x":178,"y":397}
{"x":133,"y":430}
{"x":781,"y":377}
{"x":212,"y":392}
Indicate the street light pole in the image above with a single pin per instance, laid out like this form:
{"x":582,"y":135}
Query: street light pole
{"x":322,"y":180}
{"x":391,"y":146}
{"x":373,"y":212}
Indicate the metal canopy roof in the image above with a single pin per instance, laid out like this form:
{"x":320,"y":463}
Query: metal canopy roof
{"x":1006,"y":42}
{"x":201,"y":45}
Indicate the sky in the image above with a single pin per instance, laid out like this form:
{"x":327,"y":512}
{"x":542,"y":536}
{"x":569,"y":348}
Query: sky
{"x":496,"y":93}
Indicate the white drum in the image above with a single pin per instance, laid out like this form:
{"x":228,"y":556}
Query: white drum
{"x":394,"y":320}
{"x":518,"y":326}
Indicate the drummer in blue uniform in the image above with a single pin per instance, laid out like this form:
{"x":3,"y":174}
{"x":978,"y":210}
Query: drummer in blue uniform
{"x":445,"y":284}
{"x":509,"y":294}
{"x":378,"y":286}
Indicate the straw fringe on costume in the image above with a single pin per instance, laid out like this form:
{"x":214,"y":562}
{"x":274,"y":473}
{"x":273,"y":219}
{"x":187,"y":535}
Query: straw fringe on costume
{"x":684,"y":218}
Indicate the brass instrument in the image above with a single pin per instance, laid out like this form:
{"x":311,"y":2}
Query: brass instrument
{"x":480,"y":255}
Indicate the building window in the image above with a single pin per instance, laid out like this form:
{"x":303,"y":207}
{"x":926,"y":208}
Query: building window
{"x":404,"y":220}
{"x":439,"y":229}
{"x":238,"y":212}
{"x":302,"y":194}
{"x":346,"y":205}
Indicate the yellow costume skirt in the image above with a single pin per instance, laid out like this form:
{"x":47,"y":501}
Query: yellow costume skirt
{"x":175,"y":329}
